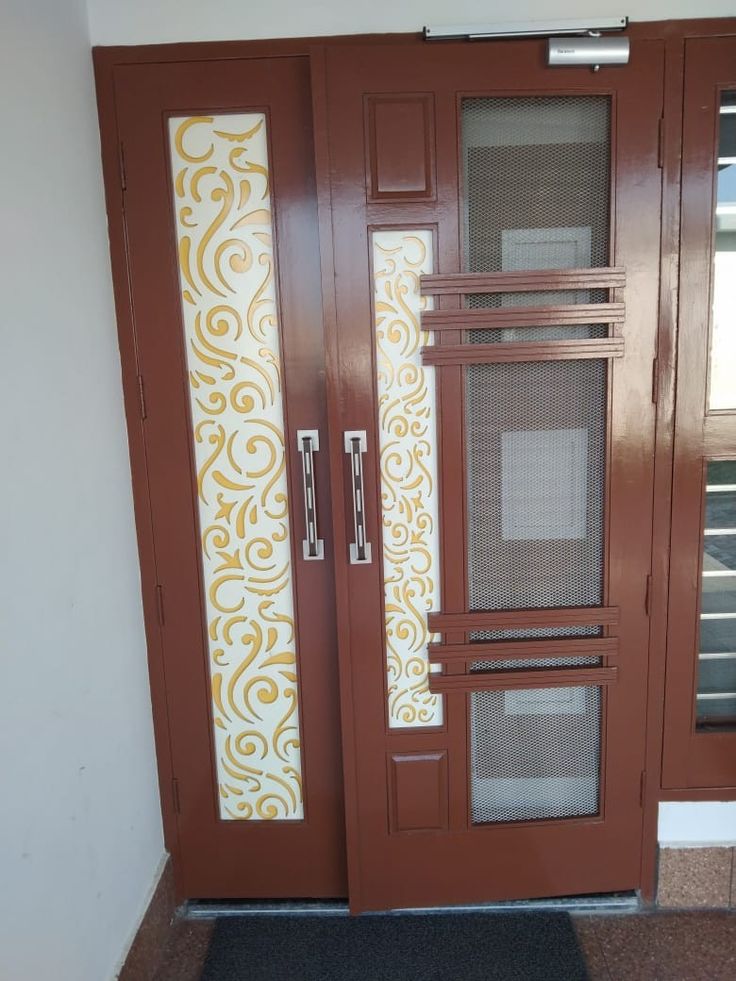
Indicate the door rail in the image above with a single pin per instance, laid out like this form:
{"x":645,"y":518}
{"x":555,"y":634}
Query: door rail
{"x":572,"y":616}
{"x":503,"y":650}
{"x":523,"y":281}
{"x":459,"y":354}
{"x":548,"y":678}
{"x":503,"y":318}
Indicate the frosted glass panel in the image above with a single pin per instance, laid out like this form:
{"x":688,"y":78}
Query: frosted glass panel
{"x":723,"y":336}
{"x":224,"y":227}
{"x":408,"y":465}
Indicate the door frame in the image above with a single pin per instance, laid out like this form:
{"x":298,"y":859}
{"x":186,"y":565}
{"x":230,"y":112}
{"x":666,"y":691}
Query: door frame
{"x":694,"y":759}
{"x":107,"y":62}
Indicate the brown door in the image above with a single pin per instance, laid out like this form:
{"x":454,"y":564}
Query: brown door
{"x":700,"y":742}
{"x":220,"y":214}
{"x":496,"y":228}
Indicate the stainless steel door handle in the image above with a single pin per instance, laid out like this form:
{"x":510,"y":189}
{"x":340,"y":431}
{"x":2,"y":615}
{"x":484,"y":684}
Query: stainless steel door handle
{"x":355,"y":446}
{"x":307,"y":441}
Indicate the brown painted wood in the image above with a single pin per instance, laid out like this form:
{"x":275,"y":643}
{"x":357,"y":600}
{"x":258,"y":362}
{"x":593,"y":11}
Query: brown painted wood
{"x":399,"y":142}
{"x":577,"y":616}
{"x":524,"y":281}
{"x":548,"y":678}
{"x":663,"y":394}
{"x":233,"y":858}
{"x":578,"y":350}
{"x":698,"y":794}
{"x":504,"y":318}
{"x":506,"y":650}
{"x":467,"y":862}
{"x":695,"y":758}
{"x":418,"y":791}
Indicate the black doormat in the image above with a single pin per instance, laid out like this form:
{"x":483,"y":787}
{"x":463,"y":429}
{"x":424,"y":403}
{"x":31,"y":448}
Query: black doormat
{"x":440,"y":947}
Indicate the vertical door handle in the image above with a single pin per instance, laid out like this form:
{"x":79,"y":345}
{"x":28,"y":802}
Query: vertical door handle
{"x":307,"y":441}
{"x":355,"y":446}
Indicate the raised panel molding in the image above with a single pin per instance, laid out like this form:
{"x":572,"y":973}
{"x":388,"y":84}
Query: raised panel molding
{"x":400,"y":147}
{"x":418,"y":788}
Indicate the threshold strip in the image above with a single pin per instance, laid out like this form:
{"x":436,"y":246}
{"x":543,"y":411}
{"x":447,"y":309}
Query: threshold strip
{"x":211,"y":909}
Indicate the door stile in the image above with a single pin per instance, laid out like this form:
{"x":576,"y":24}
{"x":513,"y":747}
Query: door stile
{"x":452,"y":463}
{"x":327,"y":230}
{"x":451,"y":425}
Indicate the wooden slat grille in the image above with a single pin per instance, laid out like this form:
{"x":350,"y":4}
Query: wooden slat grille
{"x":509,"y":317}
{"x":524,"y":281}
{"x":577,"y":350}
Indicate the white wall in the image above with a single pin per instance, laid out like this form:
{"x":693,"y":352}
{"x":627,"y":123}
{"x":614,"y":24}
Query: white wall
{"x":80,"y":824}
{"x":688,"y":825}
{"x":149,"y":21}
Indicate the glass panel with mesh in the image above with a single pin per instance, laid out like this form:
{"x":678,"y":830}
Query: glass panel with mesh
{"x":535,"y":444}
{"x":716,"y":698}
{"x":537,"y":196}
{"x":537,"y":174}
{"x":534,"y":753}
{"x":723,"y":337}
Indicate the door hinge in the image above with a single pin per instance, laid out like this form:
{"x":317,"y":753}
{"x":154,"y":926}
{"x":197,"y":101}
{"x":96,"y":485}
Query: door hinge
{"x":142,"y":397}
{"x":660,"y":143}
{"x":121,"y":163}
{"x":648,"y":596}
{"x":642,"y":787}
{"x":160,"y":604}
{"x":175,"y":794}
{"x":655,"y":380}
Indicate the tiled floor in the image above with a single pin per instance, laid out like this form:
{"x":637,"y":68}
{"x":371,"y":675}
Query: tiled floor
{"x":627,"y":947}
{"x":660,"y":946}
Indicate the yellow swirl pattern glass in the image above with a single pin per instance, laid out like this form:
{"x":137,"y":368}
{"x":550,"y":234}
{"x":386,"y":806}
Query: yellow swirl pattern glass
{"x":223,"y":211}
{"x":408,"y":462}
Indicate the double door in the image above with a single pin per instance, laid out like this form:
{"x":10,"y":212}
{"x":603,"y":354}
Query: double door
{"x":396,"y":341}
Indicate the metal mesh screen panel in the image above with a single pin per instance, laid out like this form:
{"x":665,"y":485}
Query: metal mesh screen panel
{"x":528,"y":335}
{"x":534,"y":753}
{"x":538,"y":298}
{"x":537,"y":177}
{"x":529,"y":664}
{"x":536,"y":633}
{"x":535,"y":444}
{"x":537,"y":190}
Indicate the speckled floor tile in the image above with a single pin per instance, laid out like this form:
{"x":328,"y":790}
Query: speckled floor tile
{"x":691,"y":877}
{"x":186,"y":950}
{"x":591,"y":948}
{"x":669,"y":946}
{"x":657,"y":946}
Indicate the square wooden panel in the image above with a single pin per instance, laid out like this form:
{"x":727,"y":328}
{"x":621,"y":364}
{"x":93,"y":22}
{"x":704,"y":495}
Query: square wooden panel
{"x":400,"y":147}
{"x":418,"y":791}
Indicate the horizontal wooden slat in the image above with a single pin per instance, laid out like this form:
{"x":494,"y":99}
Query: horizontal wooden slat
{"x":450,"y":354}
{"x":502,"y":650}
{"x":551,"y":678}
{"x":575,"y":616}
{"x":523,"y":281}
{"x":504,"y":318}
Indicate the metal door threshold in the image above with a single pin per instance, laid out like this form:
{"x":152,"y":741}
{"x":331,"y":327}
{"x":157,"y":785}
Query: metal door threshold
{"x":210,"y":909}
